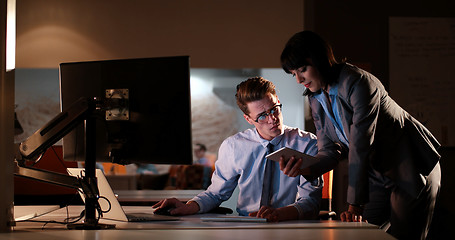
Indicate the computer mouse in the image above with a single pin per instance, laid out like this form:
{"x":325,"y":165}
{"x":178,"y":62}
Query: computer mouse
{"x":164,"y":210}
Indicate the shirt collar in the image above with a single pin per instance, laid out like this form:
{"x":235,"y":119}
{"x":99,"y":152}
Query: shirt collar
{"x":333,"y":89}
{"x":332,"y":92}
{"x":275,"y":141}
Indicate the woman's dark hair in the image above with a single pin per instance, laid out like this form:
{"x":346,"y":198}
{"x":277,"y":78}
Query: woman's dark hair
{"x":307,"y":45}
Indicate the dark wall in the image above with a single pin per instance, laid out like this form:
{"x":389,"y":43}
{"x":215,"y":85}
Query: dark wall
{"x":358,"y":30}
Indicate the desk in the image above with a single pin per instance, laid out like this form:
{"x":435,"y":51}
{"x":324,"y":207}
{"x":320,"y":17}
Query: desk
{"x":191,"y":227}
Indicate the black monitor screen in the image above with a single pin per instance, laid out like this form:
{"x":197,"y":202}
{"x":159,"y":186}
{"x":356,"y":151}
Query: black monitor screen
{"x":153,"y":124}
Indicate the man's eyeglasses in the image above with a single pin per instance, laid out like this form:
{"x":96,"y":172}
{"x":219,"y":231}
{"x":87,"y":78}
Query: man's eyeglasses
{"x":275,"y":111}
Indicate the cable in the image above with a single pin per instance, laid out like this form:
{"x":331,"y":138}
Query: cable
{"x":108,"y":202}
{"x":67,"y":220}
{"x":75,"y":219}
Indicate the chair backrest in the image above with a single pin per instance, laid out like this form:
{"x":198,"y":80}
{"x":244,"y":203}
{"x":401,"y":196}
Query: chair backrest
{"x":326,"y":212}
{"x":327,"y":189}
{"x":190,"y":177}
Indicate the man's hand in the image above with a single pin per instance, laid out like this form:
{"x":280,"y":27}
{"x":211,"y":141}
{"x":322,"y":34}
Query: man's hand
{"x":292,"y":167}
{"x":180,"y":208}
{"x":276,"y":214}
{"x":271,"y":214}
{"x":353,"y":214}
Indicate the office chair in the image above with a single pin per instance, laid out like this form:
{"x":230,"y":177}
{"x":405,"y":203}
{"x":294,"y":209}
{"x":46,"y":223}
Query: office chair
{"x":190,"y":177}
{"x":327,"y":213}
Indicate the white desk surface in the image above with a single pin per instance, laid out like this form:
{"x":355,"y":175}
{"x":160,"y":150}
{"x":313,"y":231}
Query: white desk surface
{"x":154,"y":195}
{"x":191,"y":227}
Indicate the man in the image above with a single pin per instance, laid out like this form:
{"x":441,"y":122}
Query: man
{"x":241,"y":161}
{"x":200,"y":152}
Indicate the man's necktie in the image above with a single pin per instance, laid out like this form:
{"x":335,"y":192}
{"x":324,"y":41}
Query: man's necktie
{"x":267,"y":182}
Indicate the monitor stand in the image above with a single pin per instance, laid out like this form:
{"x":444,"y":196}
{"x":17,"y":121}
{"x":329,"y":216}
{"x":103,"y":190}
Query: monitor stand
{"x":83,"y":109}
{"x":91,"y":222}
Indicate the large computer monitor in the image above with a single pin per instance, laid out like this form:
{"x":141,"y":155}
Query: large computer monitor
{"x":152,"y":120}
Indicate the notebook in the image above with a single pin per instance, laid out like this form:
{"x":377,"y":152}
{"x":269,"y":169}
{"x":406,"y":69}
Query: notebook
{"x":116,"y":213}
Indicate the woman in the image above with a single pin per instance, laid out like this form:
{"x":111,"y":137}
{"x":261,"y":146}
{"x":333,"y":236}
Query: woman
{"x":394,"y":172}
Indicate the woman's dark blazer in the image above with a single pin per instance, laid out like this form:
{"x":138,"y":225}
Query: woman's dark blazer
{"x":381,"y":135}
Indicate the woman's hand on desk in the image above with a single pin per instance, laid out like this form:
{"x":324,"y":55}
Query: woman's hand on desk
{"x":180,"y":208}
{"x":353,"y":214}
